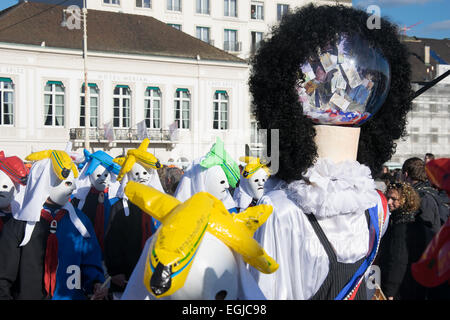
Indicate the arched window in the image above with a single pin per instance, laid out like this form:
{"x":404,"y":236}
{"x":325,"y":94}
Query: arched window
{"x":54,"y":92}
{"x":94,"y":105}
{"x":182,"y":103}
{"x":152,"y":107}
{"x":6,"y":101}
{"x":122,"y":107}
{"x":220,"y":110}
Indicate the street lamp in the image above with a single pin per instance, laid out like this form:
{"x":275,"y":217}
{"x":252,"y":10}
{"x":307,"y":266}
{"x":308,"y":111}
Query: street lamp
{"x":87,"y":101}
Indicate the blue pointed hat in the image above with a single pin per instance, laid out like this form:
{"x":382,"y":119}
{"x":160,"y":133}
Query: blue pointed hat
{"x":93,"y":160}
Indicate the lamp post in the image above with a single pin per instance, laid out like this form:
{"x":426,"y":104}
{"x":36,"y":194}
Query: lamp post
{"x":87,"y":102}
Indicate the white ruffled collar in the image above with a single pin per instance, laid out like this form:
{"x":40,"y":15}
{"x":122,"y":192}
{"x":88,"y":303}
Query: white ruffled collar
{"x":334,"y":189}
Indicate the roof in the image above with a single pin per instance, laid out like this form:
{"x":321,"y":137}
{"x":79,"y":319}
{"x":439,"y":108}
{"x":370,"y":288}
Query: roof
{"x":32,"y":23}
{"x":439,"y":54}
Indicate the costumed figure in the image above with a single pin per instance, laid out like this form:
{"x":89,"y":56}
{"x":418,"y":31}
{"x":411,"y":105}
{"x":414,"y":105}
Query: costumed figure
{"x":92,"y":194}
{"x":129,"y":227}
{"x":251,"y":185}
{"x":51,"y":248}
{"x":13,"y":178}
{"x":328,"y":217}
{"x":198,"y":253}
{"x":213,"y":173}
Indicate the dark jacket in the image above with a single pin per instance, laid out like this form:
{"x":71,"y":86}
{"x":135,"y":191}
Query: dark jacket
{"x":429,"y":210}
{"x":402,"y":245}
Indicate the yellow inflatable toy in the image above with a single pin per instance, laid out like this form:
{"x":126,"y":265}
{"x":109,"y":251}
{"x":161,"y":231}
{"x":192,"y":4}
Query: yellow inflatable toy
{"x":61,"y":162}
{"x":140,"y":155}
{"x":253,"y":165}
{"x":175,"y":244}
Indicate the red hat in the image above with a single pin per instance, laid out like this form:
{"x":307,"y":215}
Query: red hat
{"x":14,"y":168}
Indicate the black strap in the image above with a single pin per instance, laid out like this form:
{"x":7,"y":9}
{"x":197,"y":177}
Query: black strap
{"x":323,"y":238}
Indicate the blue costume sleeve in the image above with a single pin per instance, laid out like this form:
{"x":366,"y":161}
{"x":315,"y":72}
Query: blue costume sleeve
{"x":91,"y":264}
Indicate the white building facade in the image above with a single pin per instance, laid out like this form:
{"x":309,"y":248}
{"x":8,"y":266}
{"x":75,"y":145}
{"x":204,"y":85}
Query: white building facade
{"x":428,"y":123}
{"x":184,"y":103}
{"x":235,"y":26}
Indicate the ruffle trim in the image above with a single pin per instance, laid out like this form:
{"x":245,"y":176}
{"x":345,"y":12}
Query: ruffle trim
{"x":334,"y":189}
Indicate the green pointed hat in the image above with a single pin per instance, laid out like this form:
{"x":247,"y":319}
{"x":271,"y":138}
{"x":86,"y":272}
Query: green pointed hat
{"x":218,"y":156}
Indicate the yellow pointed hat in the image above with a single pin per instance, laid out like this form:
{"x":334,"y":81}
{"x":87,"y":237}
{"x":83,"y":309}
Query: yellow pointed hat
{"x":139,"y":155}
{"x":253,"y":165}
{"x":183,"y":226}
{"x":62,"y":164}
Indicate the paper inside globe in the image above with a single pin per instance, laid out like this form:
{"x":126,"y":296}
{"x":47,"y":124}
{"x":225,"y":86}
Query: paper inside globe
{"x":344,"y":83}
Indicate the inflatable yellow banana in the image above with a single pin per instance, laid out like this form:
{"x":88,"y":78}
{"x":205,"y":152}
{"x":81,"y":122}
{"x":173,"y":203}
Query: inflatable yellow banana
{"x":176,"y":242}
{"x":139,"y":155}
{"x":61,"y":162}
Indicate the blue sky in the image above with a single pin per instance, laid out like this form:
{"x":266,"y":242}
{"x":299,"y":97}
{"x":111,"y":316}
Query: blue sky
{"x":432,"y":16}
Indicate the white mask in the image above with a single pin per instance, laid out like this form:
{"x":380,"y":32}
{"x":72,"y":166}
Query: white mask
{"x":6,"y":190}
{"x":256,"y":183}
{"x":214,"y":274}
{"x":61,"y":192}
{"x":216,"y":182}
{"x":100,"y":178}
{"x":139,"y":174}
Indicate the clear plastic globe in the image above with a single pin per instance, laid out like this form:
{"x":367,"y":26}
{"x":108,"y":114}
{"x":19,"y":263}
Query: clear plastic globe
{"x":344,"y":83}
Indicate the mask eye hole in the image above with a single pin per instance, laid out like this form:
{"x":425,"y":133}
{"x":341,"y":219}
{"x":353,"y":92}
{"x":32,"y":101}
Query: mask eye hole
{"x":68,"y":184}
{"x":144,"y":173}
{"x":256,"y":180}
{"x":99,"y":175}
{"x":222,"y":182}
{"x":5,"y":186}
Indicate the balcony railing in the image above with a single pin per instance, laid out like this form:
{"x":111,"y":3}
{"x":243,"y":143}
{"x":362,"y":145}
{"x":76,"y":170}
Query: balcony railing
{"x":121,"y":135}
{"x":234,"y":46}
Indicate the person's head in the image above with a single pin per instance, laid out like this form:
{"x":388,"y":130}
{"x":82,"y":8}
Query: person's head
{"x":61,"y":190}
{"x":413,"y":170}
{"x":385,"y":169}
{"x":216,"y":182}
{"x":6,"y":190}
{"x":402,"y":196}
{"x":139,"y":174}
{"x":276,"y":72}
{"x":428,"y":157}
{"x":100,"y":178}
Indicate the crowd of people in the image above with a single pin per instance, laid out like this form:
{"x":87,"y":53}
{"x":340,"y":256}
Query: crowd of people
{"x":308,"y":225}
{"x":418,"y":210}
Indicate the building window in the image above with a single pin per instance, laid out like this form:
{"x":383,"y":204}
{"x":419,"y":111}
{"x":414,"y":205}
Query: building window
{"x":93,"y":106}
{"x":282,"y":9}
{"x":202,"y":6}
{"x":230,"y":8}
{"x":230,"y":40}
{"x":54,"y":103}
{"x":256,"y":39}
{"x":122,"y":106}
{"x":220,"y":106}
{"x":176,"y":26}
{"x":203,"y":34}
{"x":257,"y":10}
{"x":182,"y":103}
{"x":174,"y":5}
{"x":152,"y":107}
{"x":433,"y":108}
{"x":117,"y":2}
{"x":6,"y":101}
{"x":143,"y":3}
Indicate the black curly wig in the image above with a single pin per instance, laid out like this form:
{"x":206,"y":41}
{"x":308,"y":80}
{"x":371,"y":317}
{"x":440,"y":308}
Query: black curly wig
{"x":276,"y":68}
